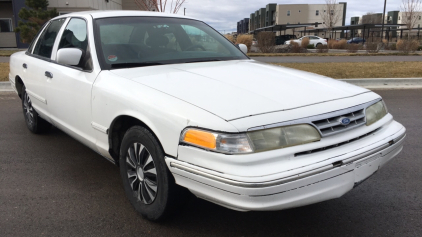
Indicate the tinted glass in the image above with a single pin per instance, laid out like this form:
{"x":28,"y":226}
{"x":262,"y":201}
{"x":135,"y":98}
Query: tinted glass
{"x":75,"y":35}
{"x":46,"y":41}
{"x":132,"y":41}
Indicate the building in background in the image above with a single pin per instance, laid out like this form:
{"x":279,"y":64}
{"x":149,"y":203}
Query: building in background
{"x":285,"y":14}
{"x":9,"y":18}
{"x":243,"y":26}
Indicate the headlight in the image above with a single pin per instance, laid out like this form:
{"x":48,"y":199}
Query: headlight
{"x":257,"y":141}
{"x":220,"y":142}
{"x":375,"y":112}
{"x":274,"y":138}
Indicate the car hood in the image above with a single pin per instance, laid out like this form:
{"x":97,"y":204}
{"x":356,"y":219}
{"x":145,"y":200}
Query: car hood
{"x":242,"y":88}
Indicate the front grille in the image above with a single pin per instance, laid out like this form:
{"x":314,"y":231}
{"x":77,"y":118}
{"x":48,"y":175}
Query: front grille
{"x":333,"y":125}
{"x":335,"y":145}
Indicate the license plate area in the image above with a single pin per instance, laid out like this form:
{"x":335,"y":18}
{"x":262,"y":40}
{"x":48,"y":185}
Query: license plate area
{"x":366,"y":168}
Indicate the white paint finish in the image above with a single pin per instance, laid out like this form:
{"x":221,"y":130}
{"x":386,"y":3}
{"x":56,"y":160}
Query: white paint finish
{"x":165,"y":115}
{"x":281,"y":163}
{"x":313,"y":40}
{"x":69,"y":56}
{"x":33,"y":77}
{"x":244,"y":48}
{"x":35,"y":96}
{"x":283,"y":116}
{"x":100,"y":128}
{"x":320,"y":187}
{"x":231,"y":90}
{"x":172,"y":97}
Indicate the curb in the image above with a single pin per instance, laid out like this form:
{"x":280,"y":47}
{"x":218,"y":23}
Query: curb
{"x":5,"y":86}
{"x":369,"y":83}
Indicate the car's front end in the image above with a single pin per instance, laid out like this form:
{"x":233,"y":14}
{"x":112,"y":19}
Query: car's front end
{"x":243,"y":134}
{"x":290,"y":164}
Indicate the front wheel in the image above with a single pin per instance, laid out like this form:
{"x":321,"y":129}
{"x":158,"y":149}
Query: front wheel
{"x":33,"y":121}
{"x":148,"y":183}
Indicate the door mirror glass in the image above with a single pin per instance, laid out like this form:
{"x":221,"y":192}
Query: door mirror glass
{"x":69,"y":56}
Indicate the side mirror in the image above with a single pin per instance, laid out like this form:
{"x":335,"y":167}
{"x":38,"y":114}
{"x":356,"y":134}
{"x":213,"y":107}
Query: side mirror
{"x":243,"y":48}
{"x":69,"y":56}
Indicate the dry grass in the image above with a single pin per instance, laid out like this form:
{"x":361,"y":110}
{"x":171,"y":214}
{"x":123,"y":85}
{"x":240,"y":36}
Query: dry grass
{"x":342,"y":44}
{"x":407,"y":46}
{"x":305,"y":42}
{"x":230,"y":37}
{"x":7,"y":53}
{"x":246,"y":40}
{"x":361,"y":70}
{"x":328,"y":54}
{"x":4,"y":71}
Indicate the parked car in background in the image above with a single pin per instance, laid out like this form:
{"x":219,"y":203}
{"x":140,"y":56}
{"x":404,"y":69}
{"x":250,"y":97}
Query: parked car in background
{"x":281,"y":39}
{"x":356,"y":40}
{"x":176,"y":113}
{"x":254,"y":42}
{"x":313,"y":40}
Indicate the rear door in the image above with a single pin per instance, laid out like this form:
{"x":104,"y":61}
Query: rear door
{"x":37,"y":60}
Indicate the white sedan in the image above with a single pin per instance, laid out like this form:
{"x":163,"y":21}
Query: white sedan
{"x":313,"y":40}
{"x":178,"y":113}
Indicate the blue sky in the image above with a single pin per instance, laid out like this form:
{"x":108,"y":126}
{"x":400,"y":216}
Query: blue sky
{"x":224,"y":14}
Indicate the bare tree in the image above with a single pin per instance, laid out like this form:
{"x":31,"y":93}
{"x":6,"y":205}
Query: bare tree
{"x":411,"y":11}
{"x":331,"y":14}
{"x":160,"y":5}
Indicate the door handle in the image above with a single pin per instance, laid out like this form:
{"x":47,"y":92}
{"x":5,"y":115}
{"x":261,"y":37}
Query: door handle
{"x":49,"y":75}
{"x":25,"y":66}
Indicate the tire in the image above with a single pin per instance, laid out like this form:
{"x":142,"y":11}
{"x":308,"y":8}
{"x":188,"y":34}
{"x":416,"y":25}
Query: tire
{"x":33,"y":121}
{"x":154,"y":197}
{"x":318,"y":45}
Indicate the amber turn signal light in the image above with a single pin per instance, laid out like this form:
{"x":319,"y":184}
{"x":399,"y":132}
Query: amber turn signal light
{"x":200,"y":138}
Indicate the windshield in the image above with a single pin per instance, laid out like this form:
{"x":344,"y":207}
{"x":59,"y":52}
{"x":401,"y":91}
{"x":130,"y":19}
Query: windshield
{"x":149,"y":41}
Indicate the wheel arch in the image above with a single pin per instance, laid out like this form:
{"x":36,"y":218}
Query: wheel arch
{"x":19,"y":85}
{"x":117,"y":130}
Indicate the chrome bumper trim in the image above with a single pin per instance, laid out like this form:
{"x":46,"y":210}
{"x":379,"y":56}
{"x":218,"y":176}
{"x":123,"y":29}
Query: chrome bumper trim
{"x":287,"y":179}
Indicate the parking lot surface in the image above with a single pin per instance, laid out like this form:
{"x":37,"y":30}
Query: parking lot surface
{"x":52,"y":185}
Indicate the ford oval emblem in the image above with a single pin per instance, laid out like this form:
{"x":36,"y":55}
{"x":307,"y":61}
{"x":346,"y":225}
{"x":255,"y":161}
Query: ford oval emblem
{"x":345,"y":121}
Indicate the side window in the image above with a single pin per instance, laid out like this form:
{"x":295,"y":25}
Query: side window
{"x":46,"y":41}
{"x":75,"y":35}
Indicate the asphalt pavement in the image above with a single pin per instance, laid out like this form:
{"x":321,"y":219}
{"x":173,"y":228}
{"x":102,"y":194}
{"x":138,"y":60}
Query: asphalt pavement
{"x":52,"y":185}
{"x":338,"y":59}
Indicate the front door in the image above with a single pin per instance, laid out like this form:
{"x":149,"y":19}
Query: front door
{"x":69,"y":89}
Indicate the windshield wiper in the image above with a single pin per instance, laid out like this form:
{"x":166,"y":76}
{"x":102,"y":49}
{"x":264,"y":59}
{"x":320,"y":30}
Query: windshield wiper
{"x":204,"y":60}
{"x":128,"y":65}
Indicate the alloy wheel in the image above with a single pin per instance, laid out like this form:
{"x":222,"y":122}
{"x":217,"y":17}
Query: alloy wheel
{"x":27,"y":108}
{"x":142,"y":173}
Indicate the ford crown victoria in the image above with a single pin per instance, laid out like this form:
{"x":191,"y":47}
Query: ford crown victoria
{"x":178,"y":107}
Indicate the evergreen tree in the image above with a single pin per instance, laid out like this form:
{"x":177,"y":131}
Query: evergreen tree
{"x":34,"y":18}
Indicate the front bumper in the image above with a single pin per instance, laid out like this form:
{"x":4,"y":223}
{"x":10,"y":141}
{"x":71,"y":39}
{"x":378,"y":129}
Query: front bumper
{"x":302,"y":188}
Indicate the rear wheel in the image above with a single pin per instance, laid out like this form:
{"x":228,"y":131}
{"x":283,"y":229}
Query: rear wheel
{"x":148,"y":183}
{"x":33,"y":121}
{"x":318,"y":45}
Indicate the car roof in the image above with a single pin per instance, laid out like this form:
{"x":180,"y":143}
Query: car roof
{"x":118,"y":13}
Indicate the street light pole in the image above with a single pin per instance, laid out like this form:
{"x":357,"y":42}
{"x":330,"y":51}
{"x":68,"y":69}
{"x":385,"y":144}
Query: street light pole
{"x":383,"y":20}
{"x":184,"y":11}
